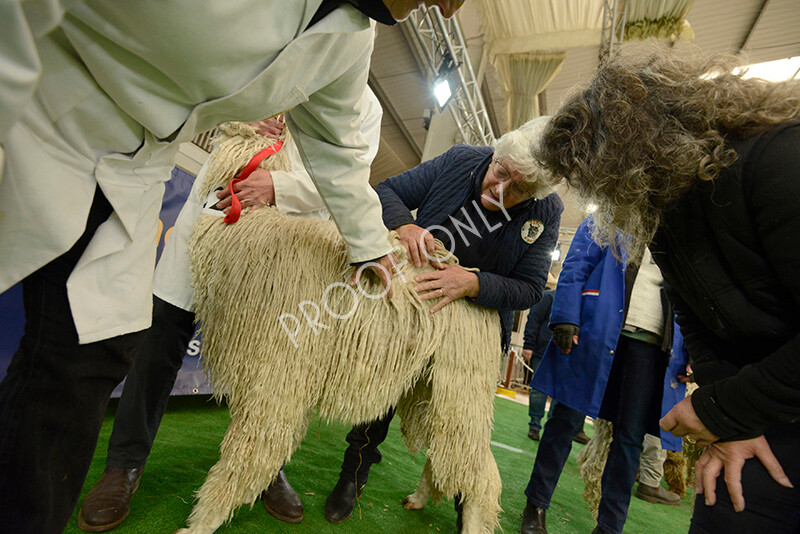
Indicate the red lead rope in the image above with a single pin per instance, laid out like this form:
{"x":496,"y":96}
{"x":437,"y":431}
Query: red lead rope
{"x":236,"y":206}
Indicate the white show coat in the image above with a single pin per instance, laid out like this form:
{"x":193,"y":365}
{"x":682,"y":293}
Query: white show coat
{"x":121,"y":85}
{"x":295,"y":195}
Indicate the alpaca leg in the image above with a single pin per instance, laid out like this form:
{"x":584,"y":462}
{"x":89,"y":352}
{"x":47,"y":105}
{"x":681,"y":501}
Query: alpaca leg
{"x":460,"y":449}
{"x":481,"y":508}
{"x":425,"y":490}
{"x":252,"y":453}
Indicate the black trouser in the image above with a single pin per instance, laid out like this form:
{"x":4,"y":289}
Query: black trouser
{"x":769,"y":507}
{"x":362,"y":450}
{"x":148,"y":385}
{"x":53,"y":398}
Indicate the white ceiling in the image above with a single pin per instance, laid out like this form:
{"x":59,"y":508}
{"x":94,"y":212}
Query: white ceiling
{"x":763,"y":29}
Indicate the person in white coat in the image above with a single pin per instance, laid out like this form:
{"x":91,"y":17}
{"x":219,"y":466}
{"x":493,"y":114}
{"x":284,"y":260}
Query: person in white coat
{"x":95,"y":98}
{"x":160,"y":355}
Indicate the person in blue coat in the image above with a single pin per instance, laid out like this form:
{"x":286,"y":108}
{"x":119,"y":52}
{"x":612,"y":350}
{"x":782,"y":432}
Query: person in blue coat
{"x":496,"y":212}
{"x":612,"y":335}
{"x":536,"y":336}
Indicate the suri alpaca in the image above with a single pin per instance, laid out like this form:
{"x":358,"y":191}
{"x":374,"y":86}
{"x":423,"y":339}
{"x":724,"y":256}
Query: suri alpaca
{"x":271,"y":295}
{"x":592,"y":461}
{"x":675,"y":472}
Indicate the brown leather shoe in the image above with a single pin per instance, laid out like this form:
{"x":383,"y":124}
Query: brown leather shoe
{"x":108,"y":503}
{"x":657,"y":495}
{"x":581,"y":438}
{"x":281,"y":501}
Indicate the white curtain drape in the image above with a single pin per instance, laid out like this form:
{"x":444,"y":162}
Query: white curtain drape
{"x":659,"y":19}
{"x":516,"y":26}
{"x":523,"y":77}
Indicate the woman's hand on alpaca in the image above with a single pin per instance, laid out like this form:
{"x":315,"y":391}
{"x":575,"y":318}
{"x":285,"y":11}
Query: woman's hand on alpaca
{"x":448,"y":282}
{"x":417,"y":241}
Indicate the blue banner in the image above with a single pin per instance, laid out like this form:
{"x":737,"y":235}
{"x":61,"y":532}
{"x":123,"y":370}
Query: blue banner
{"x":191,"y":377}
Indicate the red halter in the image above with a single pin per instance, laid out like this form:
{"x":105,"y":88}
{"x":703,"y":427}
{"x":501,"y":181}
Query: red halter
{"x":236,"y":206}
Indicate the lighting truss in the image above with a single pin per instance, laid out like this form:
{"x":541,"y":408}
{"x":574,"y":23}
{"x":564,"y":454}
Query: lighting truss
{"x":613,"y":33}
{"x":440,"y":39}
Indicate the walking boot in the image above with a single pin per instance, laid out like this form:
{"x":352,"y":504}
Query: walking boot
{"x":340,"y":503}
{"x":108,"y":503}
{"x":533,"y":520}
{"x":657,"y":495}
{"x":281,"y":501}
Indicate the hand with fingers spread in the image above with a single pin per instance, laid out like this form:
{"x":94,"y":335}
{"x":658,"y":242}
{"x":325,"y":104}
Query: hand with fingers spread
{"x":447,"y":282}
{"x":255,"y":191}
{"x":682,"y":420}
{"x":565,"y":335}
{"x":383,"y":268}
{"x":730,"y":456}
{"x":417,"y":241}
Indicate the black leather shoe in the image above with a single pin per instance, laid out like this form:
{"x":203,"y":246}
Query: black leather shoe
{"x":533,"y":520}
{"x":108,"y":503}
{"x":533,"y":434}
{"x":340,"y":503}
{"x":281,"y":501}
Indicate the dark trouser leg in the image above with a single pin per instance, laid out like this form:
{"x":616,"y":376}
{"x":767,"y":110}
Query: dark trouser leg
{"x":147,"y":387}
{"x":536,"y":401}
{"x":642,"y":375}
{"x":53,"y":399}
{"x":363,"y":451}
{"x":769,"y":507}
{"x":554,"y":449}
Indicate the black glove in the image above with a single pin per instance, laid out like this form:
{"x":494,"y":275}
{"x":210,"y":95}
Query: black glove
{"x":562,"y":336}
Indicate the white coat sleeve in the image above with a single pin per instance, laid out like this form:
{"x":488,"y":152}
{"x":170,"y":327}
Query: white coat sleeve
{"x":371,"y":116}
{"x":21,"y":22}
{"x":328,"y":132}
{"x":295,"y":193}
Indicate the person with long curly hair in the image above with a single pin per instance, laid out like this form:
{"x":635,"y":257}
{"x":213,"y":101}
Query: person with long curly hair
{"x":702,"y":166}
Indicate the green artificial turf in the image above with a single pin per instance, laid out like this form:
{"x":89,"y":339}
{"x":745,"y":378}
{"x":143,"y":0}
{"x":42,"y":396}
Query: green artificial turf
{"x":187,"y":446}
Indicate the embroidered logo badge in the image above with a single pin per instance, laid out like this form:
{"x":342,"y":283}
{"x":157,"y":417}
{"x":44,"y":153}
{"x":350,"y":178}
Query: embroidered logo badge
{"x":531,"y":230}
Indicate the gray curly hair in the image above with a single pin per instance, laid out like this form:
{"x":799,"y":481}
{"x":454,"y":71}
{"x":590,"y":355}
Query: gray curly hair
{"x":650,"y":124}
{"x":519,"y":148}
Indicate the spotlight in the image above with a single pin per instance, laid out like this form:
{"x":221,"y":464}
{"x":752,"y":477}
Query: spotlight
{"x":442,"y":92}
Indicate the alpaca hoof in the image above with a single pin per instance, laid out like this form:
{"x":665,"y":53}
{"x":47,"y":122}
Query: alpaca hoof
{"x":412,"y":502}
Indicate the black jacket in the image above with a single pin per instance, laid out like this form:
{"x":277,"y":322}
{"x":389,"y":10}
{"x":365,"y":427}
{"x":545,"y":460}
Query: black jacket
{"x":537,"y":329}
{"x":513,"y":271}
{"x":730,"y":252}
